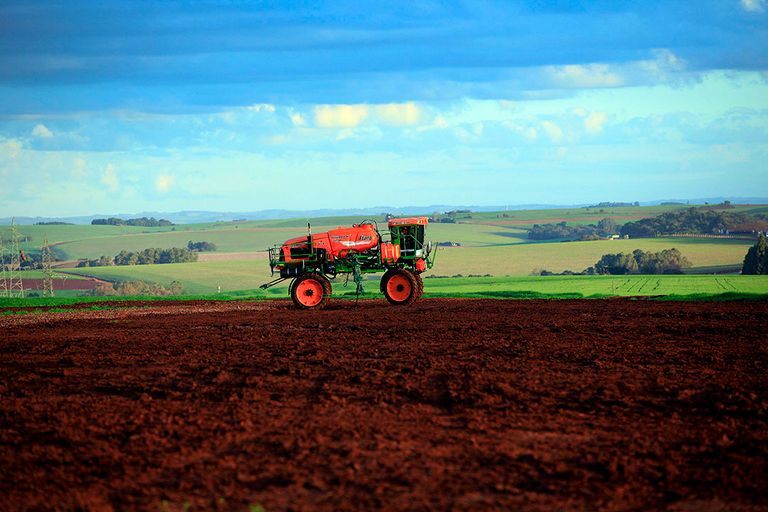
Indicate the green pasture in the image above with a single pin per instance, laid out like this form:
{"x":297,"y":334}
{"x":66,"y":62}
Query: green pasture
{"x":226,"y":240}
{"x":510,"y":260}
{"x":246,"y":238}
{"x":523,"y":259}
{"x":196,"y":278}
{"x":596,"y":286}
{"x":61,"y":233}
{"x":246,"y":276}
{"x":472,"y":230}
{"x":584,"y":215}
{"x":516,"y":259}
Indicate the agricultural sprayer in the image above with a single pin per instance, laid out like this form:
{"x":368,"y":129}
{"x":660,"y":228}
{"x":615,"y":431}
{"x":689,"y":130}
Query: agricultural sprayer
{"x":312,"y":260}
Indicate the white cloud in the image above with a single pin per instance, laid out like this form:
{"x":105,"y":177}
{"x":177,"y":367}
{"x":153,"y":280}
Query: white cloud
{"x":340,"y":116}
{"x":298,"y":120}
{"x":528,"y":132}
{"x":579,"y":111}
{"x":470,"y":132}
{"x":9,"y":148}
{"x":506,"y":104}
{"x":109,"y":178}
{"x":594,"y":122}
{"x":345,"y":134}
{"x":79,"y":172}
{"x":276,"y":140}
{"x":262,"y":107}
{"x":399,"y":114}
{"x":42,"y":131}
{"x":754,"y":5}
{"x":553,"y":131}
{"x":228,"y":117}
{"x":663,"y":64}
{"x":440,"y":122}
{"x":584,"y":76}
{"x":163,"y":183}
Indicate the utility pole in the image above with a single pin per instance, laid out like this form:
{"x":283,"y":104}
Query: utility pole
{"x":47,"y":259}
{"x":15,"y":281}
{"x":3,"y":277}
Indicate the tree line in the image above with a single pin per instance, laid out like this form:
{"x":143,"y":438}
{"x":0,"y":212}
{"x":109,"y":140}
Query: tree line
{"x":149,"y":256}
{"x":552,"y":231}
{"x":668,"y":261}
{"x":695,"y":221}
{"x":142,"y":221}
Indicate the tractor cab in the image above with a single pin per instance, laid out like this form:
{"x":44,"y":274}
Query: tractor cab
{"x":408,"y":234}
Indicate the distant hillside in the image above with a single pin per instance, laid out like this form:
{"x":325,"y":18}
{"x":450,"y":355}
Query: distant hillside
{"x":201,"y":216}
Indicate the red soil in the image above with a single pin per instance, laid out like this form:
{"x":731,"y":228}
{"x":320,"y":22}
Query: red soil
{"x":445,"y":405}
{"x":62,"y":284}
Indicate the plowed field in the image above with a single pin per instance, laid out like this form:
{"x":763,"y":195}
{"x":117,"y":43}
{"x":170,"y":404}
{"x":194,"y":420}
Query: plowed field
{"x":445,"y":405}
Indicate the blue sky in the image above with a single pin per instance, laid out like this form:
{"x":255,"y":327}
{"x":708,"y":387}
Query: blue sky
{"x":133,"y":106}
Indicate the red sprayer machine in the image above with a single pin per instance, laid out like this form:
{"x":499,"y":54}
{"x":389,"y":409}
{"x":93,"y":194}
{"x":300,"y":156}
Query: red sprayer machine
{"x":311,"y":260}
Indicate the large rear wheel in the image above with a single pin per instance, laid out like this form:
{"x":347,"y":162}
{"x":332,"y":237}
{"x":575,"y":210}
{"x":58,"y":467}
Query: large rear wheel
{"x":310,"y":291}
{"x":420,"y":284}
{"x":400,"y":287}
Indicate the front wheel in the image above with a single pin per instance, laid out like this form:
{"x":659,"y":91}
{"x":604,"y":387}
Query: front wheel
{"x":400,"y":287}
{"x":310,"y":291}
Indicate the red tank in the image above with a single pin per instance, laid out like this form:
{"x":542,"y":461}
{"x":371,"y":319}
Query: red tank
{"x":337,"y":242}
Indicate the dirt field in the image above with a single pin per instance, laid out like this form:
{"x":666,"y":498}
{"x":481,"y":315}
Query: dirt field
{"x":447,"y":405}
{"x":62,"y":284}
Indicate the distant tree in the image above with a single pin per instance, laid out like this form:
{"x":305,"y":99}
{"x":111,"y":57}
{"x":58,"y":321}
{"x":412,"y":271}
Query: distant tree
{"x":689,"y":220}
{"x":668,"y":261}
{"x":155,"y":255}
{"x":148,"y":256}
{"x":607,"y":227}
{"x":756,"y":260}
{"x":201,"y":246}
{"x":142,"y":221}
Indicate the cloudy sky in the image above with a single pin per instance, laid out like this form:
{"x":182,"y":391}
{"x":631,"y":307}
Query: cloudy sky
{"x":132,"y":106}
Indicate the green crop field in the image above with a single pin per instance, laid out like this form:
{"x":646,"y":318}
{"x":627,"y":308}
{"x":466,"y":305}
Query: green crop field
{"x":493,"y":243}
{"x":197,"y":278}
{"x":472,"y":230}
{"x":589,"y":286}
{"x":203,"y":278}
{"x":524,"y":258}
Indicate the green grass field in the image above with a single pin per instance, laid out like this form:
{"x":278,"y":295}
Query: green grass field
{"x":597,"y":286}
{"x":522,"y":259}
{"x":686,"y":287}
{"x":473,"y":230}
{"x":204,"y":278}
{"x":492,"y":243}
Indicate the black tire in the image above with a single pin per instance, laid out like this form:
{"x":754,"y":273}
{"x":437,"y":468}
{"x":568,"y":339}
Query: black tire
{"x":406,"y":289}
{"x":304,"y":290}
{"x":420,"y":283}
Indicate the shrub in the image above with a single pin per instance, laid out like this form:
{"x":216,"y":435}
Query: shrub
{"x":137,"y":288}
{"x":756,"y":260}
{"x":668,"y":261}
